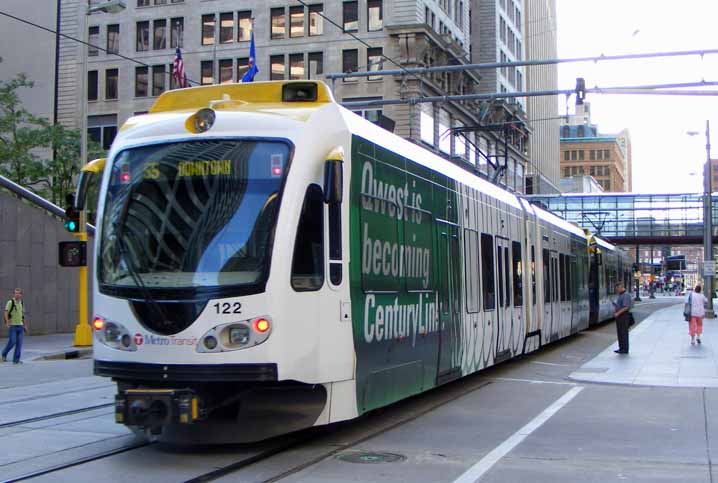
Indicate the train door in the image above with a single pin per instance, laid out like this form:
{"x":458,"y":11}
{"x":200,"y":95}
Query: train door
{"x":449,"y":264}
{"x":551,"y":295}
{"x":504,"y":310}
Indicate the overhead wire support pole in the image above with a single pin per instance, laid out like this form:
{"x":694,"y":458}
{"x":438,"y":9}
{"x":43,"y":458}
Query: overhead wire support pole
{"x":497,"y":65}
{"x":708,"y":273}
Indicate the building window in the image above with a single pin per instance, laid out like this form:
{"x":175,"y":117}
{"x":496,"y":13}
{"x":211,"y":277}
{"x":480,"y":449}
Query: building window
{"x":208,"y":22}
{"x":296,"y":66}
{"x":160,"y":34}
{"x":279,"y":23}
{"x":580,"y":155}
{"x":207,"y":74}
{"x":102,"y":129}
{"x":426,"y":121}
{"x":143,"y":36}
{"x":226,"y":28}
{"x":141,"y":81}
{"x":316,"y":64}
{"x":606,"y":154}
{"x":350,"y":14}
{"x":158,"y":80}
{"x":242,"y":67}
{"x":177,"y":34}
{"x":143,"y":3}
{"x":565,"y":131}
{"x":566,"y":172}
{"x":111,"y":76}
{"x":375,"y":15}
{"x":92,"y":80}
{"x":350,"y":62}
{"x":113,"y":38}
{"x":600,"y":153}
{"x":160,"y":2}
{"x":566,"y":156}
{"x":296,"y":21}
{"x":276,"y":63}
{"x":374,"y":61}
{"x":316,"y":21}
{"x":581,"y":131}
{"x":244,"y":24}
{"x":225,"y":71}
{"x":592,"y":155}
{"x":573,"y":156}
{"x":93,"y":37}
{"x":592,"y":170}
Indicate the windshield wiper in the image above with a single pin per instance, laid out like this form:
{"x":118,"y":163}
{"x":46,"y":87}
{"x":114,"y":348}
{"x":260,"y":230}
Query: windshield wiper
{"x":127,"y":257}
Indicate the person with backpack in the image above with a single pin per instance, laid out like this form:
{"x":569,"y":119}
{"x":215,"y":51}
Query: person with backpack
{"x":16,"y":323}
{"x":695,"y":305}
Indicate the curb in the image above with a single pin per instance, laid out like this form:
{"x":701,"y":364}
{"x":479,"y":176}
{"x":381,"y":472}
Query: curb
{"x":68,"y":354}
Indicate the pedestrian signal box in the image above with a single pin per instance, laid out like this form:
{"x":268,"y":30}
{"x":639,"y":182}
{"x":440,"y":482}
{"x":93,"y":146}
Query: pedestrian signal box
{"x":72,"y":223}
{"x":73,"y":254}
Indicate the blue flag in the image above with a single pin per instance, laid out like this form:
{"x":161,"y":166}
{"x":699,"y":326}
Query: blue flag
{"x":253,"y":69}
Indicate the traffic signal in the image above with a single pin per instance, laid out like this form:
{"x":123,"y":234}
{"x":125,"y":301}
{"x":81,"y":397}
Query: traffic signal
{"x":72,"y":223}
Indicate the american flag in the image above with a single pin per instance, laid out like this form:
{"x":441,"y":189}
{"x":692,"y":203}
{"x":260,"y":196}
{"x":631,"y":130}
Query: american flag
{"x":178,"y":73}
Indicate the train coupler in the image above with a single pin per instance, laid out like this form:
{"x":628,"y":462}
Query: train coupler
{"x":152,"y":408}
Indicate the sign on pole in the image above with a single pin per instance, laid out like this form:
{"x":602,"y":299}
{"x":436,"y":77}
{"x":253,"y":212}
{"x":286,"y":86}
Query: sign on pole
{"x":709,"y":268}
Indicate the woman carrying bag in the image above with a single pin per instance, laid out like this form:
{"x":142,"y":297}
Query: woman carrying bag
{"x":694,"y":311}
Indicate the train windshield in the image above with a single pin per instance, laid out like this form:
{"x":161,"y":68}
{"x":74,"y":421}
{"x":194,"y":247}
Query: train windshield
{"x":191,"y":215}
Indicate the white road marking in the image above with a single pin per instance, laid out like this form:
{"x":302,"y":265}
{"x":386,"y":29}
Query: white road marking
{"x":550,"y":364}
{"x":535,"y":381}
{"x":475,"y":473}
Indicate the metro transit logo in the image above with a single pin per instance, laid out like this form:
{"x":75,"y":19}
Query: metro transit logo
{"x":150,"y":339}
{"x":139,"y":340}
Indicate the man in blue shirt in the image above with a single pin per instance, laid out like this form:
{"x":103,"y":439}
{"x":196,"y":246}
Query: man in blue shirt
{"x":622,"y":306}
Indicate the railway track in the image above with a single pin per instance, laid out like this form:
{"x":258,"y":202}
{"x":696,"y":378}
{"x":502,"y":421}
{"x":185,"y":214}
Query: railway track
{"x":54,"y":415}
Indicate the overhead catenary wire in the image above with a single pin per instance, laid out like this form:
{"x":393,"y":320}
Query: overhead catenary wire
{"x":75,"y":39}
{"x":520,"y":63}
{"x":649,"y":89}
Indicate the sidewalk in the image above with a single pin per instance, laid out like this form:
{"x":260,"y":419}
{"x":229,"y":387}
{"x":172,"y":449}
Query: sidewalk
{"x":660,"y":355}
{"x":45,"y":347}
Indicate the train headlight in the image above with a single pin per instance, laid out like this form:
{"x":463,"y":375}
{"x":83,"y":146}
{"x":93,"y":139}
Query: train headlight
{"x":239,"y":335}
{"x":113,"y":334}
{"x":236,"y":335}
{"x":210,"y":342}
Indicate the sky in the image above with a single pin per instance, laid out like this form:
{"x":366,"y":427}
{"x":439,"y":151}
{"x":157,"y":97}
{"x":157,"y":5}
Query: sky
{"x":665,"y":158}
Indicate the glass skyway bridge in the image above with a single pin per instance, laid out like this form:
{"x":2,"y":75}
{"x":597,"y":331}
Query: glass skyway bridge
{"x":635,"y":219}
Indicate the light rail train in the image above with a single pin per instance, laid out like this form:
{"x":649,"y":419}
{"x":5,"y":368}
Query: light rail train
{"x":266,"y":261}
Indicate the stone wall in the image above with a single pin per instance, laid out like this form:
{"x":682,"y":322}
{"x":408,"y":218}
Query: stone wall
{"x":29,"y":239}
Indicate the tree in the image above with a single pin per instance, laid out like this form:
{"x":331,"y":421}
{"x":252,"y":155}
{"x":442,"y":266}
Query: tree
{"x":22,"y":134}
{"x":34,"y":153}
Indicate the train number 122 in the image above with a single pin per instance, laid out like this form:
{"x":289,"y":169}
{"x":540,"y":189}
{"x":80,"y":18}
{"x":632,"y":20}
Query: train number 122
{"x":228,"y":308}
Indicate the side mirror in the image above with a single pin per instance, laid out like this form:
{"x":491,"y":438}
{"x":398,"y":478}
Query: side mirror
{"x":333,"y":181}
{"x":83,"y":182}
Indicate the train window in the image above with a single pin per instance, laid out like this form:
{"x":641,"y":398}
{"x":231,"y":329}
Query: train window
{"x":507,"y":277}
{"x":471,"y":272}
{"x":546,"y":284}
{"x":562,"y":270}
{"x":572,"y":289}
{"x":555,"y":275}
{"x":533,"y":273}
{"x":308,"y":260}
{"x":487,"y":272}
{"x":500,"y":271}
{"x":335,"y":243}
{"x":518,"y":274}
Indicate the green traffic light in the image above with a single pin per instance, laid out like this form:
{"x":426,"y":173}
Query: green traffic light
{"x":71,"y":226}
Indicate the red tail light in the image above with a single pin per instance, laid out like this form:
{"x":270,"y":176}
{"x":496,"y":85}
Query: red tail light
{"x":261,"y":325}
{"x":98,"y":323}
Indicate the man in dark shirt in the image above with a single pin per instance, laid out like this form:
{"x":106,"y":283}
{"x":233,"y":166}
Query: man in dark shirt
{"x":622,"y":306}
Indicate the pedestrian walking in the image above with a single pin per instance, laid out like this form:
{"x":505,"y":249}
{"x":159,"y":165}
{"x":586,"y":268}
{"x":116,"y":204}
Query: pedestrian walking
{"x":697,"y":303}
{"x":16,"y":323}
{"x":622,"y":306}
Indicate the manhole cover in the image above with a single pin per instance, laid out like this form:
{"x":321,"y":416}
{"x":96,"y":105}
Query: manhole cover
{"x":371,"y":458}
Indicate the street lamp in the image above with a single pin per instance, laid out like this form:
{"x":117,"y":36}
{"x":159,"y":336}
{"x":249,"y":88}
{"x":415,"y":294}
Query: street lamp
{"x":708,"y":263}
{"x":109,"y":6}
